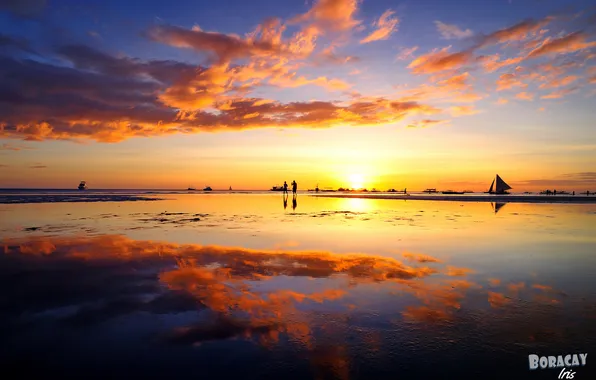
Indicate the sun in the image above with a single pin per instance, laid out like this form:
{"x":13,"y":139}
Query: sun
{"x":356,"y":181}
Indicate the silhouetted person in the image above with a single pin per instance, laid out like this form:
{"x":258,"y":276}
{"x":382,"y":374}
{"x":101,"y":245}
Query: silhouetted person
{"x":587,"y":193}
{"x":573,"y":193}
{"x":294,"y":203}
{"x":294,"y":187}
{"x":555,"y":192}
{"x":285,"y":187}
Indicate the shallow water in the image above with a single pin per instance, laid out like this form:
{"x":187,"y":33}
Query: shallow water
{"x":236,"y":285}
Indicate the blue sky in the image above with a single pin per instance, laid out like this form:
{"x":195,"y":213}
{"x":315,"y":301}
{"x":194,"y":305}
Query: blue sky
{"x":466,"y":82}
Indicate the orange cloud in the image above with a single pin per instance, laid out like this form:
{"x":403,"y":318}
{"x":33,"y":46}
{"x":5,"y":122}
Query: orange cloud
{"x":421,"y":258}
{"x":524,"y":96}
{"x":385,"y":26}
{"x":463,"y":110}
{"x":507,"y":81}
{"x":456,"y":83}
{"x":560,"y":82}
{"x":492,"y":63}
{"x":426,"y":123}
{"x":566,"y":44}
{"x":559,"y":94}
{"x":331,"y":15}
{"x":516,"y":32}
{"x":439,"y":60}
{"x":502,"y":101}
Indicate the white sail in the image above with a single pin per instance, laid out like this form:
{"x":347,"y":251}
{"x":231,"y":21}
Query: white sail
{"x":501,"y":185}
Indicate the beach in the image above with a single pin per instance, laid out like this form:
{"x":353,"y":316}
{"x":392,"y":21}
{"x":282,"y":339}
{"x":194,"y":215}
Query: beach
{"x":240,"y":285}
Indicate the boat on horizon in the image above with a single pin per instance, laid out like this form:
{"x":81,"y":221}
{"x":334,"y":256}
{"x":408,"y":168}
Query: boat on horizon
{"x":450,"y":192}
{"x":431,"y":191}
{"x":82,"y":185}
{"x":191,"y":188}
{"x":498,"y":186}
{"x":208,"y":188}
{"x":277,"y":188}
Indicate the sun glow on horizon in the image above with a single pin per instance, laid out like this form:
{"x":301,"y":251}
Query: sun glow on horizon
{"x":356,"y":181}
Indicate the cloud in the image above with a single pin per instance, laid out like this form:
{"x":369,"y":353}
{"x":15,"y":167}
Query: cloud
{"x":330,"y":16}
{"x":406,"y":53}
{"x":224,"y":47}
{"x":426,"y":123}
{"x":385,"y":26}
{"x":456,"y":82}
{"x":420,"y":258}
{"x":507,"y":81}
{"x":560,"y":93}
{"x":517,"y":32}
{"x":37,"y":167}
{"x":570,"y":43}
{"x":329,"y":56}
{"x":502,"y":101}
{"x":463,"y":110}
{"x":115,"y":100}
{"x":525,"y":96}
{"x":560,"y":82}
{"x":491,"y":63}
{"x":450,"y":32}
{"x":439,"y":60}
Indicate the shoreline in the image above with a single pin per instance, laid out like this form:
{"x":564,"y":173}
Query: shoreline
{"x":25,"y":199}
{"x":575,"y":199}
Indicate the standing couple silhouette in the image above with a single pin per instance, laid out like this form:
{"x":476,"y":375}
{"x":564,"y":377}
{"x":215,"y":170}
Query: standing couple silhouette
{"x":294,"y":195}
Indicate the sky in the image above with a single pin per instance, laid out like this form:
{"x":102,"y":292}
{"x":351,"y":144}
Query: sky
{"x":378,"y":94}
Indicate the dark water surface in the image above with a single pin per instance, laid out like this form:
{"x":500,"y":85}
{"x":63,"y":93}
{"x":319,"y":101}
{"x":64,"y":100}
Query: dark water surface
{"x":244,"y":286}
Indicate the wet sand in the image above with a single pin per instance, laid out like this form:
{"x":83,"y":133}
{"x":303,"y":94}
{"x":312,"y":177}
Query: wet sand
{"x":237,"y":286}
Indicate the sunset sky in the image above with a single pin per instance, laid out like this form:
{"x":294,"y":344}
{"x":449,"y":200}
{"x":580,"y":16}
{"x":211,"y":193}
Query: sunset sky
{"x":376,"y":93}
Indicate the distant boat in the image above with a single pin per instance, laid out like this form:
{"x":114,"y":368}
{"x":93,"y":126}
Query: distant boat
{"x":500,"y":188}
{"x":277,"y":188}
{"x":230,"y":188}
{"x":451,"y":192}
{"x":83,"y":185}
{"x":208,"y":189}
{"x":429,"y":191}
{"x":316,"y":189}
{"x":468,"y":191}
{"x":191,"y":188}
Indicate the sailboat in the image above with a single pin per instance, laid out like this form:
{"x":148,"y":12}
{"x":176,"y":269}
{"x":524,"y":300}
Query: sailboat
{"x":500,"y":188}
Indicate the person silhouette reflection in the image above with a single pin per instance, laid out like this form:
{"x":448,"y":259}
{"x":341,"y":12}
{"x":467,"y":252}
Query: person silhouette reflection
{"x":285,"y":201}
{"x":294,"y":202}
